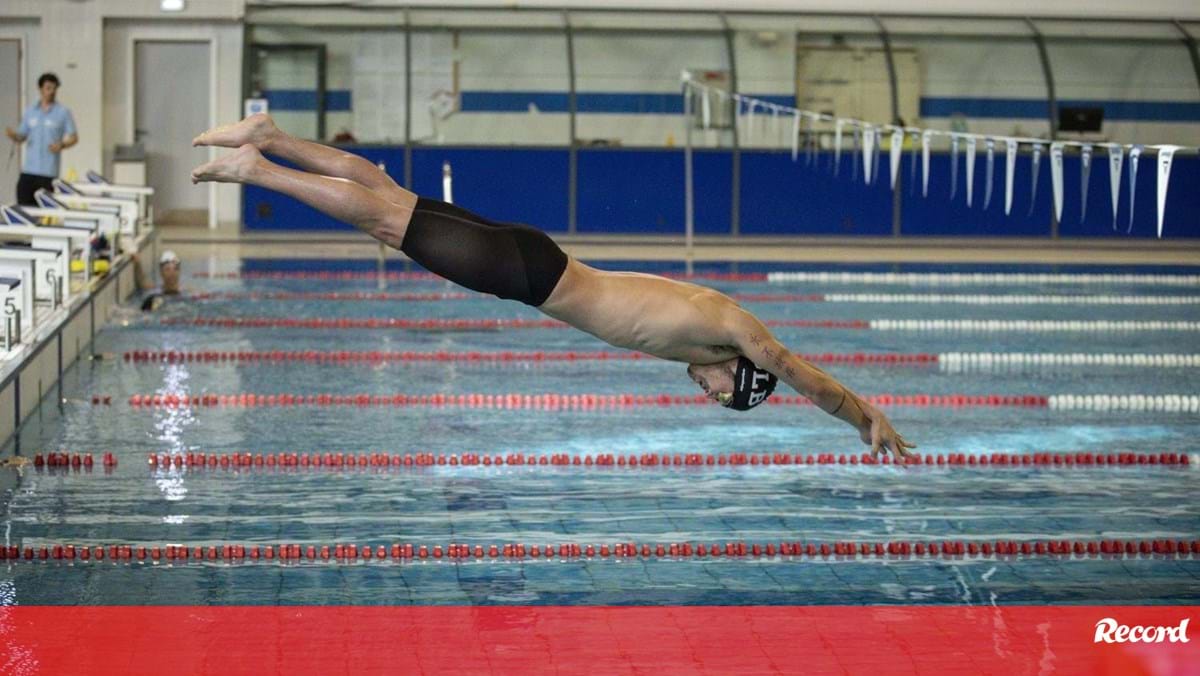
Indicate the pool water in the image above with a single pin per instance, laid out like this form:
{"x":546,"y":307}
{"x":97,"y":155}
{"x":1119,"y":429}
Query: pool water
{"x":136,"y":504}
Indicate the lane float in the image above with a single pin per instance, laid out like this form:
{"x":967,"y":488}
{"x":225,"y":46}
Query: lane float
{"x":333,"y":296}
{"x":874,"y":298}
{"x":980,"y":278}
{"x":787,"y":277}
{"x":176,"y":554}
{"x":440,"y":323}
{"x":946,"y":361}
{"x":968,"y":299}
{"x":1031,"y":325}
{"x":420,"y":276}
{"x":71,"y":461}
{"x":479,"y":324}
{"x":1171,"y":403}
{"x":198,"y":461}
{"x":375,"y":357}
{"x":961,"y":361}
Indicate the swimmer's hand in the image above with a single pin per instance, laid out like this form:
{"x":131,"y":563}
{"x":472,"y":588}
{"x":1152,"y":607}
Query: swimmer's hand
{"x":882,"y":437}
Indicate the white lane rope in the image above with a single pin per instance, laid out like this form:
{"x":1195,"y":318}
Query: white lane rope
{"x":1030,"y":325}
{"x":1007,"y":299}
{"x":985,"y":361}
{"x":981,"y":278}
{"x":1170,"y":403}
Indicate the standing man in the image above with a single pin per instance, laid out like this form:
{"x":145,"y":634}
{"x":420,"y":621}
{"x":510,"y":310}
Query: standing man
{"x":50,"y":129}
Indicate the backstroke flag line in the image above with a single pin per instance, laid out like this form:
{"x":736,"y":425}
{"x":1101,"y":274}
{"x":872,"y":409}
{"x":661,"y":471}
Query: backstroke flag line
{"x":868,"y":142}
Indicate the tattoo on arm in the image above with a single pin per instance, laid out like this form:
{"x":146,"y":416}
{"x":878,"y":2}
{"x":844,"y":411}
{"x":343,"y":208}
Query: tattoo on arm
{"x":774,"y":356}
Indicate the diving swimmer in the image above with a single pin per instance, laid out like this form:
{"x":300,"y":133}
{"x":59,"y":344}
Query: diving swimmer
{"x":730,"y":353}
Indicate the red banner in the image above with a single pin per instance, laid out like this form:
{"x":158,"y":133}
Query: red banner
{"x":876,"y":640}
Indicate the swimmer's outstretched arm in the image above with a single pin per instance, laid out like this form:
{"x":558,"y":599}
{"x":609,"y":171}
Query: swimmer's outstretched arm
{"x":755,"y":341}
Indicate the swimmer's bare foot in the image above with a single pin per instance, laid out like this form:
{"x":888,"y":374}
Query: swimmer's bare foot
{"x":258,"y":130}
{"x":235,"y":167}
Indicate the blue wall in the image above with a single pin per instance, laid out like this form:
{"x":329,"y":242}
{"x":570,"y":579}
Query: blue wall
{"x":657,"y":103}
{"x":641,"y":191}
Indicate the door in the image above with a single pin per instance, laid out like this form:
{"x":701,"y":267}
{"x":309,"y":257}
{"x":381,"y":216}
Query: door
{"x":10,"y":116}
{"x":172,"y":92}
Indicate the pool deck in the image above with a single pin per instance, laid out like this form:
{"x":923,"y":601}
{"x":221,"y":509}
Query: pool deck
{"x":201,"y":242}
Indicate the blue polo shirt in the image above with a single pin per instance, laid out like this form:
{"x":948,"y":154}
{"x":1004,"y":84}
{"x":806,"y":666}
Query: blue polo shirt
{"x":43,"y":127}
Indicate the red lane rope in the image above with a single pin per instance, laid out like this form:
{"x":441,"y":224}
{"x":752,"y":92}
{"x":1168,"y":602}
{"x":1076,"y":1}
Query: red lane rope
{"x":543,"y":402}
{"x":402,"y":296}
{"x":349,"y":357}
{"x":331,"y":460}
{"x":343,"y":553}
{"x":74,"y":461}
{"x":430,"y":277}
{"x":439,"y":323}
{"x":336,"y":295}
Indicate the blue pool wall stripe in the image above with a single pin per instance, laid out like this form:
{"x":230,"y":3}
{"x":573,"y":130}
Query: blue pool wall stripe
{"x":640,"y":191}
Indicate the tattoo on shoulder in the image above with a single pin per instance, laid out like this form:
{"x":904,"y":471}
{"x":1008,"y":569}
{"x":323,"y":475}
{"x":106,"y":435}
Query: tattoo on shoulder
{"x":791,"y":372}
{"x":755,"y":340}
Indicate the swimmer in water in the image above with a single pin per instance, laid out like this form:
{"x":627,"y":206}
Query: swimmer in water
{"x":168,"y":271}
{"x":730,"y":353}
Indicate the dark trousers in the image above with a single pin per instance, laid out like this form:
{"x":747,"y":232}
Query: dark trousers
{"x":28,"y":184}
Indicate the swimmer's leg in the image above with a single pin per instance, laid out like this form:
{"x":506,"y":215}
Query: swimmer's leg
{"x":510,"y":261}
{"x":340,"y":198}
{"x":260,"y":131}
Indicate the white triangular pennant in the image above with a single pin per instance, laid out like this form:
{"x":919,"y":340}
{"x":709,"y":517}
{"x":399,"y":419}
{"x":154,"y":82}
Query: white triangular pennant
{"x":926,"y":137}
{"x":854,"y":155}
{"x":1056,"y":178}
{"x":989,"y":172}
{"x":894,"y":152}
{"x":1010,"y":170}
{"x":1035,"y":168}
{"x":953,"y":166}
{"x":1166,"y":155}
{"x":970,"y":169}
{"x":868,"y":152}
{"x":1135,"y":154}
{"x":875,"y":160}
{"x":913,"y":138}
{"x":837,"y":145}
{"x":1116,"y":157}
{"x":1085,"y":174}
{"x":795,"y":135}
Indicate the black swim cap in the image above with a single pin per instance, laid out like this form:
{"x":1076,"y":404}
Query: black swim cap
{"x":751,"y":385}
